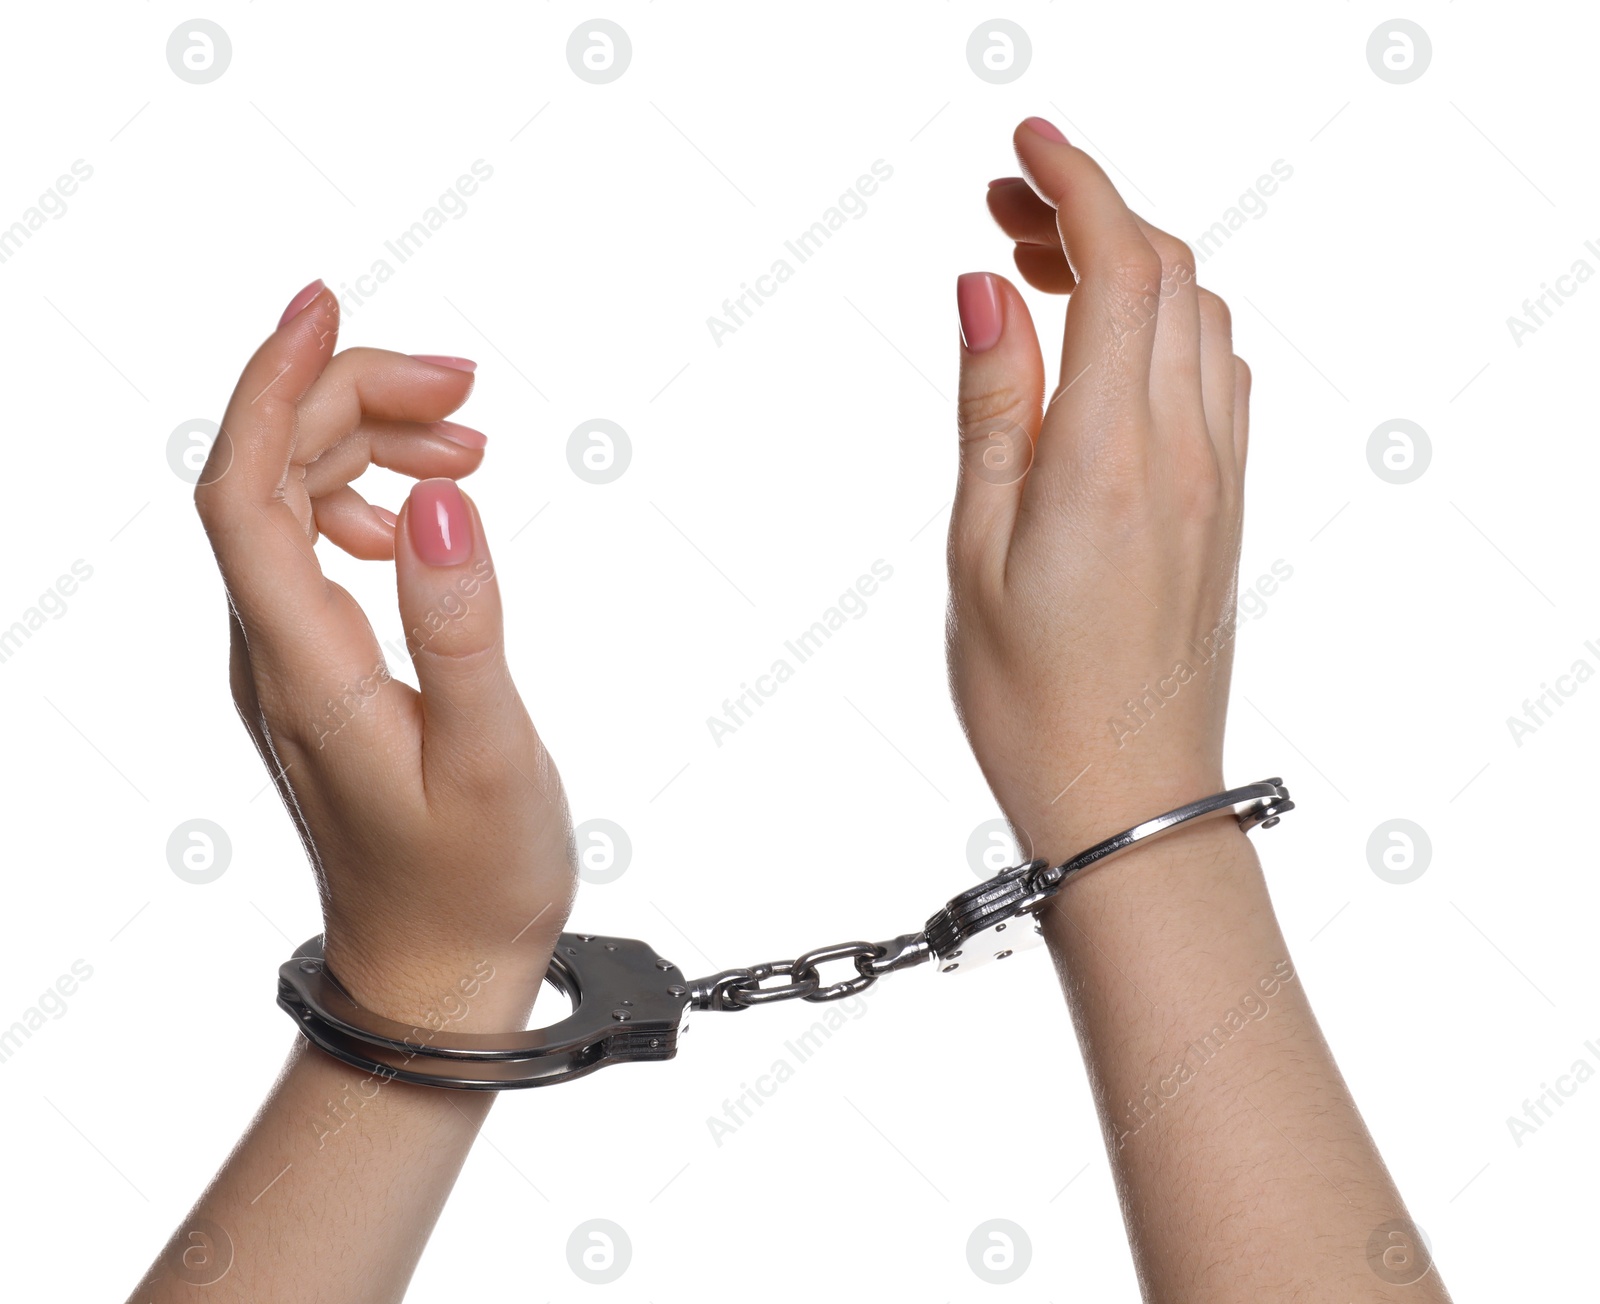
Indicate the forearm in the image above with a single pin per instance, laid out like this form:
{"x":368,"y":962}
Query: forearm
{"x":433,"y":816}
{"x":1243,"y":1166}
{"x":335,"y":1187}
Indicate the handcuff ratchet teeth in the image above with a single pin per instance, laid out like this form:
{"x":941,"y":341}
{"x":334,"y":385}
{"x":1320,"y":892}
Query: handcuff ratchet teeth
{"x":629,"y":1004}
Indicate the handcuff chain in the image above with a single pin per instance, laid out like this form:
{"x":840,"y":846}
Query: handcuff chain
{"x":1038,"y":881}
{"x":738,"y":989}
{"x":629,"y":1003}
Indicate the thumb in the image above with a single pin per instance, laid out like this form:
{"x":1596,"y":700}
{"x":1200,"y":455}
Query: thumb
{"x":997,"y":417}
{"x":474,"y":727}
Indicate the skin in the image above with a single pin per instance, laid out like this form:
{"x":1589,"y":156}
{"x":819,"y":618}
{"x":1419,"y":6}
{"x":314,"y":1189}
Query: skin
{"x":1094,"y":550}
{"x":434,"y":821}
{"x":1092,"y":554}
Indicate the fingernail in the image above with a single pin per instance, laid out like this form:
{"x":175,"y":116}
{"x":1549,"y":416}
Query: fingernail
{"x":1006,"y":181}
{"x":386,"y":516}
{"x":297,"y":305}
{"x":978,"y":304}
{"x":441,"y":531}
{"x":466,"y":436}
{"x":455,"y":364}
{"x":1048,"y":130}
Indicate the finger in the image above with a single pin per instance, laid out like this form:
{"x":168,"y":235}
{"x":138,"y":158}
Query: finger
{"x":1176,"y":398}
{"x":1044,"y":269}
{"x":423,"y":451}
{"x":1116,"y":269}
{"x":476,"y":736}
{"x":349,"y":522}
{"x":366,"y":384}
{"x":1241,"y":412}
{"x":1001,"y":393}
{"x":1021,"y":214}
{"x":1031,"y":222}
{"x":258,"y":517}
{"x":1217,"y":378}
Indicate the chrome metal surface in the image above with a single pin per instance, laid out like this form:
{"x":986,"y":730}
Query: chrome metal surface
{"x":630,"y":1004}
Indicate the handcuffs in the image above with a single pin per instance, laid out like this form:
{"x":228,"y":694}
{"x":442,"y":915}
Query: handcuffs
{"x":629,"y":1004}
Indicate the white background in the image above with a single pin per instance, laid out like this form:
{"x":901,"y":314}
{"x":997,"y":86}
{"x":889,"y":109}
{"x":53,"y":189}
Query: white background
{"x":816,"y":440}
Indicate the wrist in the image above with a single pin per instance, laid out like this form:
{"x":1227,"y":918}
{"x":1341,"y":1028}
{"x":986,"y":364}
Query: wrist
{"x":465,"y":989}
{"x":1200,"y":881}
{"x":1056,"y":827}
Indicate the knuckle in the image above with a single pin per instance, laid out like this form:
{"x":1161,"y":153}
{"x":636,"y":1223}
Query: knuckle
{"x":1134,"y":272}
{"x":461,"y":658}
{"x":1199,"y":480}
{"x":1186,"y":477}
{"x":979,"y":410}
{"x":1176,"y":256}
{"x":1215,"y":313}
{"x":1118,"y":472}
{"x":205,"y":502}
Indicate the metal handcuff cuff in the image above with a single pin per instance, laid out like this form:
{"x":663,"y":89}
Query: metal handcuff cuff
{"x":629,"y":1004}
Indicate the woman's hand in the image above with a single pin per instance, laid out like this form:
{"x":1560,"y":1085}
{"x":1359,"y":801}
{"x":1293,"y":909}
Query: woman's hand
{"x":1094,"y":543}
{"x":435,"y":820}
{"x":1093,"y":554}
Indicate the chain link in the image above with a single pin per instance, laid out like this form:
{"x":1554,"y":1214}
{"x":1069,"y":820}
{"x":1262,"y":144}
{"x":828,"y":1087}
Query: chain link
{"x":1019,"y":890}
{"x":738,"y":989}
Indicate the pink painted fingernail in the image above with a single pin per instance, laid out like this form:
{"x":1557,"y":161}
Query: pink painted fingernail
{"x":978,"y":304}
{"x":441,"y":530}
{"x":1007,"y":181}
{"x":1048,"y":130}
{"x":439,"y":360}
{"x":298,"y":304}
{"x":386,"y":516}
{"x":466,"y":436}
